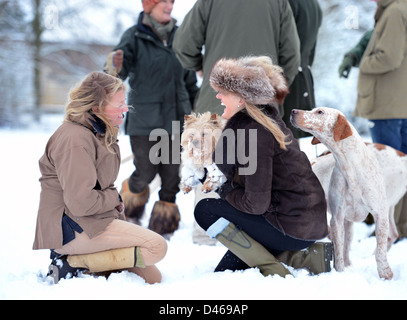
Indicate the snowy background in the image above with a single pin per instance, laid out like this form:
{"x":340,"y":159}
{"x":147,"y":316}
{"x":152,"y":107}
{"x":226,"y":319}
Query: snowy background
{"x":188,"y":268}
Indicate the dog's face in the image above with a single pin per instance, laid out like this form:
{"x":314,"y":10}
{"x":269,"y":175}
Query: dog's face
{"x":199,"y":138}
{"x":325,"y":124}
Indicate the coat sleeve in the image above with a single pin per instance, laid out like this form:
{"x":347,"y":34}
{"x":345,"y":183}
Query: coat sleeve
{"x":388,"y":52}
{"x":128,"y":45}
{"x":255,"y":196}
{"x":77,"y":175}
{"x":190,"y":38}
{"x":289,"y":44}
{"x":190,"y":84}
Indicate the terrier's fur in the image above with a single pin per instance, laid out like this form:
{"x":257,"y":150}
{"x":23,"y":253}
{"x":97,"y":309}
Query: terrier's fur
{"x":198,"y":141}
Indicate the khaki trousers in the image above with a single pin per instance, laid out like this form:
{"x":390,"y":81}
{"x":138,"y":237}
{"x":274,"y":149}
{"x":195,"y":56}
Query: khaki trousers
{"x":122,"y":234}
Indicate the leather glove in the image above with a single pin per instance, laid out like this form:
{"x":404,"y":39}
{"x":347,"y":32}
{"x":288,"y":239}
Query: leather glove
{"x":114,"y":63}
{"x":118,"y":60}
{"x":346,"y":66}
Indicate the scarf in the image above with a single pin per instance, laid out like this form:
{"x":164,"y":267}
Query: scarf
{"x":161,"y":30}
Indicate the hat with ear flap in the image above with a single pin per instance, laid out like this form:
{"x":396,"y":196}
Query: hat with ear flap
{"x":255,"y":78}
{"x":148,"y":5}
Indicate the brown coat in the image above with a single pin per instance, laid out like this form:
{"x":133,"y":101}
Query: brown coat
{"x":77,"y":178}
{"x":283,"y":187}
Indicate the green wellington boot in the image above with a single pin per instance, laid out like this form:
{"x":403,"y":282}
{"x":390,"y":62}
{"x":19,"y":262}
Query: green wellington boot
{"x":316,"y":259}
{"x":246,"y":248}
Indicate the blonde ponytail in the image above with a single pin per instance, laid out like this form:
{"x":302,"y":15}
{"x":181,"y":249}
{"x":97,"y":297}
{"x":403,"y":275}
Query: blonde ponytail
{"x":268,"y":123}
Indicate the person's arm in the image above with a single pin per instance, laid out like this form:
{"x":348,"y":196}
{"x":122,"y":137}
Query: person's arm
{"x":190,"y":84}
{"x":77,"y":174}
{"x":388,"y":51}
{"x":289,"y":46}
{"x":120,"y":60}
{"x":353,"y":57}
{"x":190,"y":38}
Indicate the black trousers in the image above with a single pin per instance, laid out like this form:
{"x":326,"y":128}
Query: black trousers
{"x":208,"y":211}
{"x":148,"y":165}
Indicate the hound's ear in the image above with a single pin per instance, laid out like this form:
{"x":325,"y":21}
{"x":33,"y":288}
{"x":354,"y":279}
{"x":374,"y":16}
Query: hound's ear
{"x":187,"y":117}
{"x":342,"y":129}
{"x":315,"y":141}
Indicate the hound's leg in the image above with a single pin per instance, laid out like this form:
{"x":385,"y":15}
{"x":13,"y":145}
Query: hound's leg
{"x":348,"y":241}
{"x":382,"y":231}
{"x":337,"y":236}
{"x":393,"y":233}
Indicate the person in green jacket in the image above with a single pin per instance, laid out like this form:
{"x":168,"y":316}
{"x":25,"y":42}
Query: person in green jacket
{"x":235,"y":28}
{"x":161,"y":93}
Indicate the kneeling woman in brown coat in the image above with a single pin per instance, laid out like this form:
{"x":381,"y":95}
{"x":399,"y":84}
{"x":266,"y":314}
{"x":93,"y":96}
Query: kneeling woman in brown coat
{"x":272,"y":205}
{"x":80,"y":215}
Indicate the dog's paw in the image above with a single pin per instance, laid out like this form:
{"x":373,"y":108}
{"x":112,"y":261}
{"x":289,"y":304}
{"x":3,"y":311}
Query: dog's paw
{"x":212,"y":184}
{"x":386,"y":273}
{"x":185,"y":188}
{"x":207,"y":187}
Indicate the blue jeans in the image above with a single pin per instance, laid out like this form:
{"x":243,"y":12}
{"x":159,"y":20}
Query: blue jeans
{"x":391,"y":132}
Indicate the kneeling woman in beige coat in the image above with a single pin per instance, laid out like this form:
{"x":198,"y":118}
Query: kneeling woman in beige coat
{"x":80,"y":216}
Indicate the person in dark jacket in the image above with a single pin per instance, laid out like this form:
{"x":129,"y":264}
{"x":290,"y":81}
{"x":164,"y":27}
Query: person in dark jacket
{"x":272,"y":205}
{"x":162,"y":92}
{"x":308,"y":18}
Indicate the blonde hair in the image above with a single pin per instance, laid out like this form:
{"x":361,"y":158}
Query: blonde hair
{"x":280,"y":93}
{"x":259,"y":116}
{"x":258,"y":82}
{"x":95,"y":90}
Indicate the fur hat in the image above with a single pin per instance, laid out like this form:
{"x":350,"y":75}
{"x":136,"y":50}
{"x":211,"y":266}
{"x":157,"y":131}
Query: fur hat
{"x":255,"y":79}
{"x":148,"y":5}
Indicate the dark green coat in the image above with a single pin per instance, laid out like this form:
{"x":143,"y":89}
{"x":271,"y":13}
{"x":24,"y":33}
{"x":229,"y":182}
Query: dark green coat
{"x":235,"y":28}
{"x":161,"y":90}
{"x":308,"y":18}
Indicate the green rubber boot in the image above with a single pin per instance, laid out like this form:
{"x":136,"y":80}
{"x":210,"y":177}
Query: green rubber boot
{"x":246,"y":248}
{"x":316,"y":259}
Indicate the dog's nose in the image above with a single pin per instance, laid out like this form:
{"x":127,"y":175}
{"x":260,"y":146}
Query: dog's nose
{"x":195,"y":143}
{"x":294,"y":111}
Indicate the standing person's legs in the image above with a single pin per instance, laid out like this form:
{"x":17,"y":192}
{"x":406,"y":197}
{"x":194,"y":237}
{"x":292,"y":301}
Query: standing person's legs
{"x":393,"y":133}
{"x":145,"y":170}
{"x":388,"y":132}
{"x":403,"y":133}
{"x":169,"y":173}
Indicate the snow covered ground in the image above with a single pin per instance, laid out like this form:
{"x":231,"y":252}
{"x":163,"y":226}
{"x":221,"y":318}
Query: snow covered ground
{"x":187,"y":269}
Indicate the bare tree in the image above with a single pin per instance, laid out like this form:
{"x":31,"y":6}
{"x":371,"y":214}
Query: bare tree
{"x":38,"y":29}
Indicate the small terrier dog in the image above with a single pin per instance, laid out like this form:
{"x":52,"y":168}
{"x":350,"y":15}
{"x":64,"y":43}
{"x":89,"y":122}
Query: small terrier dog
{"x":198,"y":141}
